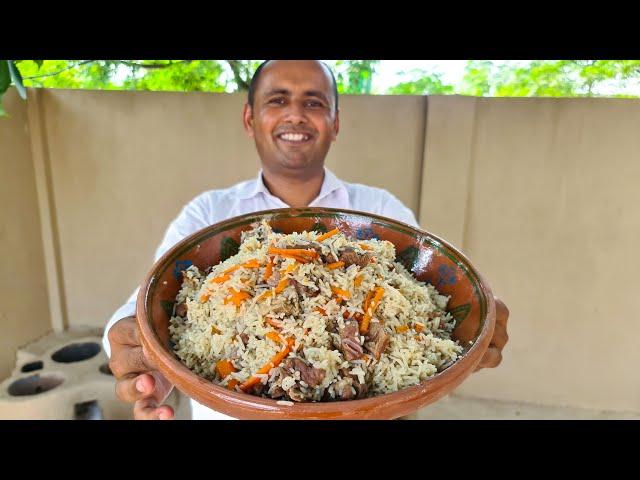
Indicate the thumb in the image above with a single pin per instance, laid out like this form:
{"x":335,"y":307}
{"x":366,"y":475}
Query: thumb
{"x":162,"y":387}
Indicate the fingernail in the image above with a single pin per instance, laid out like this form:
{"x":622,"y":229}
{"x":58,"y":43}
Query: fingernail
{"x":164,"y":416}
{"x":140,"y":386}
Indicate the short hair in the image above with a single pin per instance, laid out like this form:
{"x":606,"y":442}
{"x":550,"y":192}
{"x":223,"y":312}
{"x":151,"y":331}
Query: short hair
{"x":256,"y":76}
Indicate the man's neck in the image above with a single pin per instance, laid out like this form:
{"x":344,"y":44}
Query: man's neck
{"x":295,"y":191}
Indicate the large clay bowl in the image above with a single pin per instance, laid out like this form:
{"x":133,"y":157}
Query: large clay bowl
{"x":430,"y":259}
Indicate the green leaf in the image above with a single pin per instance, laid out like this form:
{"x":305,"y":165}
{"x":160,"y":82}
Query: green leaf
{"x":167,"y":306}
{"x":5,"y":76}
{"x":228,"y":248}
{"x":17,"y":79}
{"x":460,"y":312}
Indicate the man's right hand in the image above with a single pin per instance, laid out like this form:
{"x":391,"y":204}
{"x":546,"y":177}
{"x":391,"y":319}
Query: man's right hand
{"x":137,"y":381}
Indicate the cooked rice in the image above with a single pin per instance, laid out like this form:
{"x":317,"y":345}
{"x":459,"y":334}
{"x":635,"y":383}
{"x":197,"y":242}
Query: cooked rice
{"x":212,"y":331}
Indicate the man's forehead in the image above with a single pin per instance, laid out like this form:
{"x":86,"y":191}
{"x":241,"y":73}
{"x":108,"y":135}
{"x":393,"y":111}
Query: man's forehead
{"x":307,"y":74}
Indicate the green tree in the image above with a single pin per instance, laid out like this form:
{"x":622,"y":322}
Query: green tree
{"x":422,"y":82}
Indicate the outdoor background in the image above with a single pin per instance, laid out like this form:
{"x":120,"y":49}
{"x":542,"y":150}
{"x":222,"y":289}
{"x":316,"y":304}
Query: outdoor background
{"x":540,"y":194}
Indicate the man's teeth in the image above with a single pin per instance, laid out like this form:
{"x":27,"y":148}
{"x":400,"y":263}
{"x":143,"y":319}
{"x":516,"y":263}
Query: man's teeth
{"x":294,"y":137}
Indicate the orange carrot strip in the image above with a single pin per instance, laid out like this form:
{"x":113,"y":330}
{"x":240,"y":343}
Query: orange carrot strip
{"x":371,"y":308}
{"x":274,"y":362}
{"x":418,"y":327}
{"x":269,"y":270}
{"x":253,"y":263}
{"x":334,"y":265}
{"x":232,"y":384}
{"x":330,"y":233}
{"x":237,"y":297}
{"x":274,"y":323}
{"x":264,"y":295}
{"x":220,"y":279}
{"x":364,"y":246}
{"x":274,"y":336}
{"x":358,"y":280}
{"x":402,"y":328}
{"x":341,"y":293}
{"x":321,"y":310}
{"x":282,"y":285}
{"x":299,"y":252}
{"x":224,"y":368}
{"x":204,"y":298}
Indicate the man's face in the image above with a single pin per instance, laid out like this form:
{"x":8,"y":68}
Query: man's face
{"x":293,"y":119}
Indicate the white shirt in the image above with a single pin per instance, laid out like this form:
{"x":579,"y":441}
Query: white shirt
{"x":251,"y":196}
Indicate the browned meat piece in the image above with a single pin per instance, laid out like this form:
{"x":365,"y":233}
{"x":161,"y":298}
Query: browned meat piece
{"x":308,"y":374}
{"x":350,"y":340}
{"x":350,"y":257}
{"x":435,"y":314}
{"x":244,"y":337}
{"x":361,"y":388}
{"x":304,"y":290}
{"x":331,"y":324}
{"x":181,"y":310}
{"x":276,"y":391}
{"x":274,"y":279}
{"x":376,"y":339}
{"x":296,"y":395}
{"x":343,"y":389}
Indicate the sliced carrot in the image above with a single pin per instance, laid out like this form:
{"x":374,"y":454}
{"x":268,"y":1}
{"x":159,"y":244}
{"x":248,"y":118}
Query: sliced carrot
{"x":418,"y":327}
{"x":364,"y":246}
{"x":237,"y":297}
{"x":334,"y":265}
{"x":274,"y":362}
{"x":224,"y":368}
{"x":358,"y":280}
{"x":321,"y":310}
{"x":330,"y":233}
{"x":402,"y":328}
{"x":268,"y":271}
{"x":253,"y":263}
{"x":204,"y":298}
{"x":289,"y":269}
{"x":232,"y":384}
{"x":220,"y":279}
{"x":341,"y":293}
{"x":370,"y":309}
{"x":274,"y":336}
{"x":264,"y":295}
{"x":282,"y":285}
{"x":297,"y":252}
{"x":274,"y":323}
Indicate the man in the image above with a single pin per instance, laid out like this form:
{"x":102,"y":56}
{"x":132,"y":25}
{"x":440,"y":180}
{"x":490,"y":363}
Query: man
{"x":292,"y":115}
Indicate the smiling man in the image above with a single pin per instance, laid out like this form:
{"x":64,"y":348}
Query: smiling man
{"x":292,"y":115}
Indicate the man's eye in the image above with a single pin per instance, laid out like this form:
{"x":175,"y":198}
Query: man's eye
{"x":277,"y":101}
{"x":314,"y":103}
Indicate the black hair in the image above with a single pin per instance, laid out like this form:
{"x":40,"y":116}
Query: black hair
{"x":256,"y":76}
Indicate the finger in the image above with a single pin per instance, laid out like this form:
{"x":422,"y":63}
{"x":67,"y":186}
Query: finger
{"x":500,"y":337}
{"x":124,"y":332}
{"x":502,"y":312}
{"x":491,"y":359}
{"x":135,"y":387}
{"x":146,"y":409}
{"x":127,"y":360}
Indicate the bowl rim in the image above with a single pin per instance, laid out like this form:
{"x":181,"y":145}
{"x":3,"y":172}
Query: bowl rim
{"x":175,"y":371}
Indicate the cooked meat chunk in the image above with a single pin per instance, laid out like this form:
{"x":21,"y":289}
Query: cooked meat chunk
{"x":350,"y":340}
{"x":376,"y":339}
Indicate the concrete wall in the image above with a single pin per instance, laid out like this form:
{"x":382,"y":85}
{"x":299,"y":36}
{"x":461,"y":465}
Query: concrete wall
{"x":24,"y":306}
{"x":539,"y":193}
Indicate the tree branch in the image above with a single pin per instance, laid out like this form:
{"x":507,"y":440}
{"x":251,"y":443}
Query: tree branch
{"x":152,"y":65}
{"x":237,"y":76}
{"x":58,"y":72}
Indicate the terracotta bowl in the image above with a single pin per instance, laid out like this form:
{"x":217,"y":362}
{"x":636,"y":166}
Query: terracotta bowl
{"x":430,"y":259}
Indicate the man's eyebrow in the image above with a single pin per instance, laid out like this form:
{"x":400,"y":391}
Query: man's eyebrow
{"x":316,"y":93}
{"x":277,"y":91}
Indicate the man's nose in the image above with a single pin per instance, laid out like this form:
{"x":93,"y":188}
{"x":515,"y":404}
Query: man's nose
{"x":295,"y":113}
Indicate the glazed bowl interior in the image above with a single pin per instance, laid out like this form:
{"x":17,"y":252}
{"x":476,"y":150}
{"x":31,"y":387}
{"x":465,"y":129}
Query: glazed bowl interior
{"x":428,"y":257}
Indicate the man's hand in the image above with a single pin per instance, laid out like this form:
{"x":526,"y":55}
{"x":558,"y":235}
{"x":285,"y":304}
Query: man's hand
{"x":136,"y":380}
{"x":493,"y":356}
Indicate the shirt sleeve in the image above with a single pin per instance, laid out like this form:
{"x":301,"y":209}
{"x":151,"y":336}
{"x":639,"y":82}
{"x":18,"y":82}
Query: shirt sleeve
{"x":193,"y":217}
{"x":394,"y":208}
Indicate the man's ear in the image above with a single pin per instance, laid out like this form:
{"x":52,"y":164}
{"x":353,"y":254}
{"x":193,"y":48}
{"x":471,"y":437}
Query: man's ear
{"x":336,"y":125}
{"x":247,"y":119}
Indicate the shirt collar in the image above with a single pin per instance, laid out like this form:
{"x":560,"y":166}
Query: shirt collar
{"x":330,"y":184}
